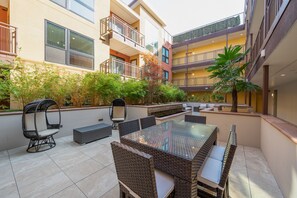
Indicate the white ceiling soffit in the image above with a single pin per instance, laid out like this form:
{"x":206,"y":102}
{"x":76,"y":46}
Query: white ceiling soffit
{"x":123,"y":11}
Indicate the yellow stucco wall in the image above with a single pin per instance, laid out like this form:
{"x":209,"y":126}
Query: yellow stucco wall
{"x":211,"y":47}
{"x":30,"y":17}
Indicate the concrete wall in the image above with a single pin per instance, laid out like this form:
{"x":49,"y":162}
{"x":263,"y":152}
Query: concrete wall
{"x":281,"y":155}
{"x":135,"y":112}
{"x":247,"y":126}
{"x":31,"y":26}
{"x":286,"y":102}
{"x":11,"y":134}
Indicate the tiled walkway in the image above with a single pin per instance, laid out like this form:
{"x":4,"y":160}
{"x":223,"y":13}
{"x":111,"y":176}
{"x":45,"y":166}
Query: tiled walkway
{"x":72,"y":170}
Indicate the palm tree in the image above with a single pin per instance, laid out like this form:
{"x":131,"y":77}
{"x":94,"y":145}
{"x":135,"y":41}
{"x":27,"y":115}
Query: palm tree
{"x":229,"y":70}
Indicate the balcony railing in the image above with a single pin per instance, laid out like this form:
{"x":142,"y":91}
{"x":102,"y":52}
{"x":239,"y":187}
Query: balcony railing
{"x":197,"y":58}
{"x":272,"y":9}
{"x":115,"y":24}
{"x":122,"y":68}
{"x":8,"y":43}
{"x":194,"y":82}
{"x":223,"y":24}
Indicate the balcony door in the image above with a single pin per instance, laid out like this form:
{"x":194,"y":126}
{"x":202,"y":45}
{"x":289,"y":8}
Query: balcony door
{"x":117,"y":65}
{"x":4,"y":30}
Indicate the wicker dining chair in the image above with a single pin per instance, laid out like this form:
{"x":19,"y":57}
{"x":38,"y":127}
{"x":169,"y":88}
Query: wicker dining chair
{"x":195,"y":119}
{"x":213,"y":176}
{"x":217,"y":152}
{"x":137,"y":176}
{"x":148,"y":121}
{"x":128,"y":127}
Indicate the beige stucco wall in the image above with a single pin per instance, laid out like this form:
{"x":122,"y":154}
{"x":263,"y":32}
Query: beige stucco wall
{"x":281,"y":155}
{"x":286,"y":102}
{"x":247,"y":126}
{"x":144,"y":15}
{"x":29,"y":17}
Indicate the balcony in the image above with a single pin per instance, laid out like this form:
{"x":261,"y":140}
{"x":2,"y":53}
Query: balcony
{"x":274,"y":9}
{"x":201,"y":59}
{"x":197,"y":83}
{"x":122,"y":68}
{"x":8,"y":43}
{"x":121,"y":36}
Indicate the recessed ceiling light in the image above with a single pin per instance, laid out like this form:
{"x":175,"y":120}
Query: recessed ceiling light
{"x":193,"y":74}
{"x":212,"y":41}
{"x":241,"y":34}
{"x":282,"y":75}
{"x":206,"y":88}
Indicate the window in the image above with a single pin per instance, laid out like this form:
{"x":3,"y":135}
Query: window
{"x":68,"y":47}
{"x":165,"y":55}
{"x":84,"y":8}
{"x":165,"y":76}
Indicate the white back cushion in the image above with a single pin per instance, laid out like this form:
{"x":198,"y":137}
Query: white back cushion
{"x":40,"y":121}
{"x":118,"y":112}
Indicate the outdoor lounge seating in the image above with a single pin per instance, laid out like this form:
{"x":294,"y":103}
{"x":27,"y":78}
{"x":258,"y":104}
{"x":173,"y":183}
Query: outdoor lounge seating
{"x":136,"y":174}
{"x":36,"y":126}
{"x":217,"y":152}
{"x":128,"y":127}
{"x":195,"y":119}
{"x":213,"y":176}
{"x":148,"y":121}
{"x":117,"y":112}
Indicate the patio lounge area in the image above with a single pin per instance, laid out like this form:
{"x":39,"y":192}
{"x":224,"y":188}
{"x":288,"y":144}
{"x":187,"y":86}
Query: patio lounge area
{"x":73,"y":170}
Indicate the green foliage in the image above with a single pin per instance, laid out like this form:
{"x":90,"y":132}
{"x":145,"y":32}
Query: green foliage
{"x":229,"y":69}
{"x":76,"y":89}
{"x":108,"y":87}
{"x":25,"y":82}
{"x":134,"y":91}
{"x":4,"y":85}
{"x":170,"y":93}
{"x":217,"y":97}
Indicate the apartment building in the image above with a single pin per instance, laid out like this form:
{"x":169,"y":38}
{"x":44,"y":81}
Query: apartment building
{"x":82,"y":36}
{"x":196,"y":49}
{"x":271,"y":35}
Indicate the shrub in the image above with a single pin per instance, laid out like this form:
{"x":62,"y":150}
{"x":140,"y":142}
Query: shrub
{"x":108,"y":87}
{"x":134,"y":91}
{"x":170,"y":93}
{"x":76,"y":89}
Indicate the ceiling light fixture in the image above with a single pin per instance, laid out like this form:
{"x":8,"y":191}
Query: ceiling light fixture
{"x":283,"y":75}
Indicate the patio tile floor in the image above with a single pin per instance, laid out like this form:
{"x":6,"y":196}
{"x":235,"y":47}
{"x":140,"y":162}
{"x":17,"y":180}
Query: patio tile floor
{"x":73,"y":170}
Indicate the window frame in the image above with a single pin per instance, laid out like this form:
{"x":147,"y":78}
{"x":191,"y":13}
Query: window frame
{"x":81,"y":3}
{"x":67,"y":47}
{"x":165,"y":58}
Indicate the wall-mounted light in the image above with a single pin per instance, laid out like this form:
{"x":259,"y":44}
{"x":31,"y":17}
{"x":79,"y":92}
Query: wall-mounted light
{"x":272,"y":94}
{"x":283,"y":75}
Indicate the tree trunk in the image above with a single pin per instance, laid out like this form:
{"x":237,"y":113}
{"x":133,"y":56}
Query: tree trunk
{"x":234,"y":100}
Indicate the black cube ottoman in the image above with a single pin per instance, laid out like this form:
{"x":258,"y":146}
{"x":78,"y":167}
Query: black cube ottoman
{"x":91,"y":133}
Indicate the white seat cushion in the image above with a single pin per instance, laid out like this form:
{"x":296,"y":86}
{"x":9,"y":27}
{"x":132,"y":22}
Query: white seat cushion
{"x":118,"y":112}
{"x":211,"y":172}
{"x":118,"y":119}
{"x":165,"y":183}
{"x":217,"y":152}
{"x":40,"y":121}
{"x":48,"y":132}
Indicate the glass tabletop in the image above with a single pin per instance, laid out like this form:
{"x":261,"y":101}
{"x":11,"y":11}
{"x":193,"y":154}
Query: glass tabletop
{"x":179,"y":138}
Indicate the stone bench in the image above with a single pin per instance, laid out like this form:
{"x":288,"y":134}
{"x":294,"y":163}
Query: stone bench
{"x":91,"y":133}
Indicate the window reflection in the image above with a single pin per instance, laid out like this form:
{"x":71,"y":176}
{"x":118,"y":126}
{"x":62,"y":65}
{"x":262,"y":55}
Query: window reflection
{"x":151,"y":37}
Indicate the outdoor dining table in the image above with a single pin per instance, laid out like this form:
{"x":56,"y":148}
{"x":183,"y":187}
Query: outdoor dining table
{"x":178,"y":148}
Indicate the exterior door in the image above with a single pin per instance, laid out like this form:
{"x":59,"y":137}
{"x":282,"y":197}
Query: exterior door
{"x":4,"y":30}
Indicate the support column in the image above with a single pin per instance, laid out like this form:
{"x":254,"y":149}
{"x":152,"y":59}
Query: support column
{"x":265,"y":89}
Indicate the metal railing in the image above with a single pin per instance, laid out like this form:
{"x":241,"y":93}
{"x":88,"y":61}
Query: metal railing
{"x":272,"y":9}
{"x":120,"y":67}
{"x":8,"y":36}
{"x":192,"y":82}
{"x":223,"y":24}
{"x":117,"y":25}
{"x":197,"y":58}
